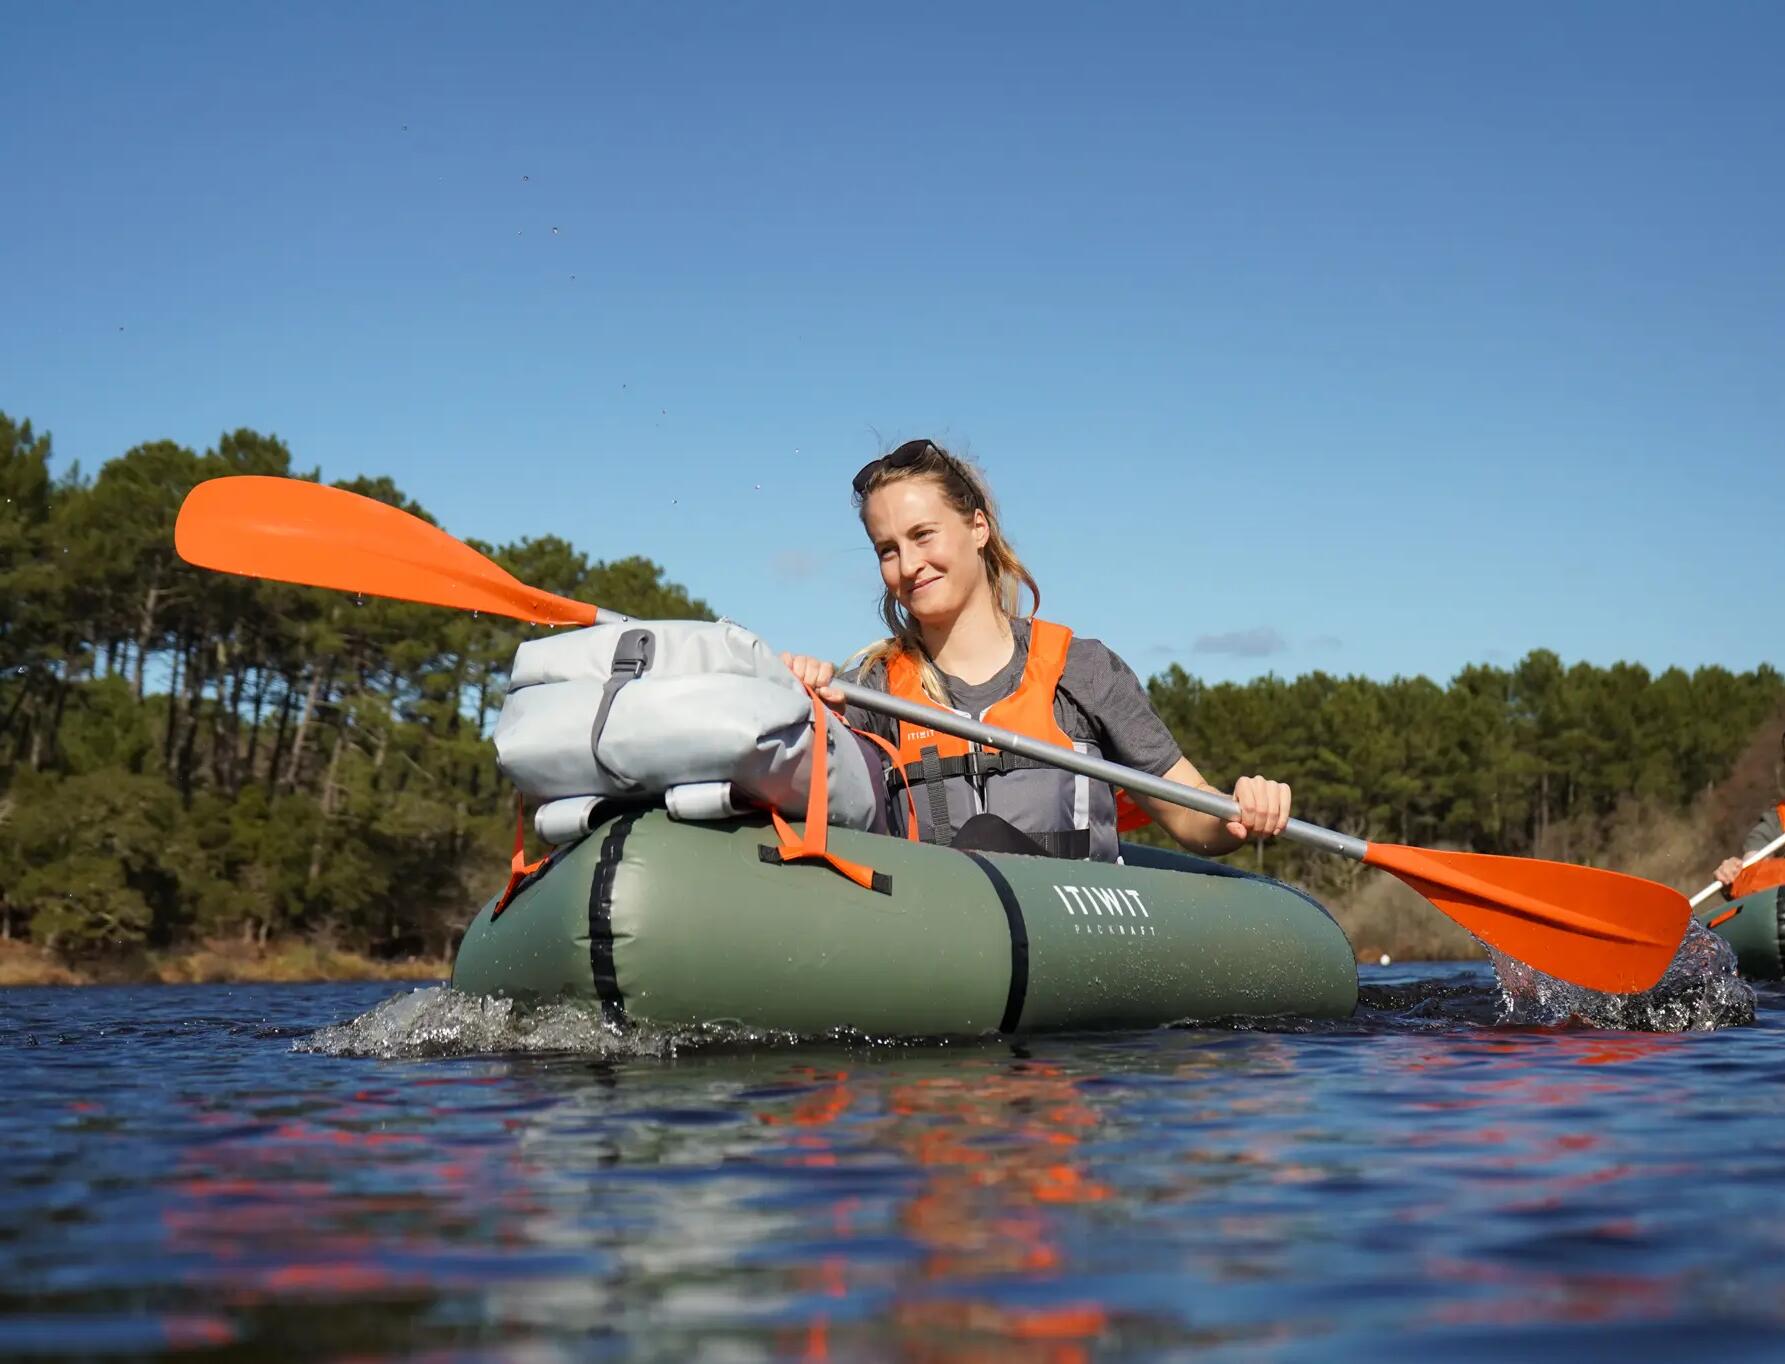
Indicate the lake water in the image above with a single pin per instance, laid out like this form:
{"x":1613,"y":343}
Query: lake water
{"x":380,"y":1172}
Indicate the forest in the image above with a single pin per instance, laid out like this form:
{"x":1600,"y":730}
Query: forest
{"x":188,"y":757}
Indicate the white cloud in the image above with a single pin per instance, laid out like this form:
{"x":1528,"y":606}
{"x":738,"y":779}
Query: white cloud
{"x":1254,"y":643}
{"x":796,"y":565}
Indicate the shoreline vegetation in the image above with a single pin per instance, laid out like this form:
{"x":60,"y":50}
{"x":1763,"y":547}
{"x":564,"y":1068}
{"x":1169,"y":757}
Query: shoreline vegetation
{"x":206,"y":777}
{"x":209,"y":963}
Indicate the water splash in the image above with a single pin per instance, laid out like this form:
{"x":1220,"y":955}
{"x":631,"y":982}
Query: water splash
{"x":1699,"y":992}
{"x":440,"y":1021}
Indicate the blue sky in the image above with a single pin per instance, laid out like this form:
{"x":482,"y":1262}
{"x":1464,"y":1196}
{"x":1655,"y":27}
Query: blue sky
{"x":1378,"y":338}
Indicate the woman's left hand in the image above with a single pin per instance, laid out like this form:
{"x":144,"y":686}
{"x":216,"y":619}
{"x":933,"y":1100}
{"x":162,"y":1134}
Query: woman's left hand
{"x":1264,"y":808}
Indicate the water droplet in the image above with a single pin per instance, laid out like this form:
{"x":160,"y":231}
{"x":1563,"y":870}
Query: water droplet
{"x":476,"y":614}
{"x":525,"y":178}
{"x":554,"y":231}
{"x":573,"y":277}
{"x":359,"y":598}
{"x":759,"y":487}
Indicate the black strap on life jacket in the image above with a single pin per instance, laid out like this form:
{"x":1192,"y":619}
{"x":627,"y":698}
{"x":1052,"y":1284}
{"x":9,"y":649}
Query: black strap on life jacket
{"x":941,"y":827}
{"x":976,"y":765}
{"x":1072,"y":844}
{"x":934,"y":769}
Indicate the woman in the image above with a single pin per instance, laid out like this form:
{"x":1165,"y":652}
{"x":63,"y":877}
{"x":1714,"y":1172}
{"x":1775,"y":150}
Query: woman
{"x":951,"y":602}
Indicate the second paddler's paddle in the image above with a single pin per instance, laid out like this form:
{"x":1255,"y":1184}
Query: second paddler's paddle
{"x":1599,"y":929}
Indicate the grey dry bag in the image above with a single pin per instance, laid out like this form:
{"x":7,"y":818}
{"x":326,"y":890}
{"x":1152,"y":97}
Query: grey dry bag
{"x":634,"y":709}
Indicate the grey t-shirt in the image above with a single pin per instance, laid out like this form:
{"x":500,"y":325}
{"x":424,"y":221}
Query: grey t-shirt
{"x":1099,"y":702}
{"x":1763,"y":833}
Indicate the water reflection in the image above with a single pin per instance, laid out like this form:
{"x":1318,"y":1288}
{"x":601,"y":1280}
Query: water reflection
{"x":1410,"y":1176}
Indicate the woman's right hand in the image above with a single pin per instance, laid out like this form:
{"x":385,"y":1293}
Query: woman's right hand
{"x":816,"y":674}
{"x":1728,"y":869}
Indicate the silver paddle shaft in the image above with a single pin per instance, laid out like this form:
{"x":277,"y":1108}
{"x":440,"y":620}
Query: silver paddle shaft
{"x":1129,"y":778}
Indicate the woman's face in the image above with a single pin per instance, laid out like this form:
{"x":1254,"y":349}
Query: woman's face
{"x":929,"y":553}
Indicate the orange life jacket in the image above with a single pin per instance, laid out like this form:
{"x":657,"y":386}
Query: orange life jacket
{"x":1761,"y":875}
{"x":1069,"y":815}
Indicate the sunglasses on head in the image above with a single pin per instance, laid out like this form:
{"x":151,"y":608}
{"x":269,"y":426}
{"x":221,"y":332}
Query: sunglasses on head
{"x":910,"y":453}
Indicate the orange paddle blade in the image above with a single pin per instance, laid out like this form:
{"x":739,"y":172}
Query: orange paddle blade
{"x":1599,"y":929}
{"x":294,"y":531}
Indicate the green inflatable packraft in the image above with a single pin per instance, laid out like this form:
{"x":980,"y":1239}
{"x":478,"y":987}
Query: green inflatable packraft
{"x":1755,"y":932}
{"x":686,"y":924}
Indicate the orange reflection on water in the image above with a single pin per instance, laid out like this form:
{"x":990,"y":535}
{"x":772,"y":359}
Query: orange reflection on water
{"x":997,"y":1149}
{"x":286,"y":1212}
{"x":1533,"y":1296}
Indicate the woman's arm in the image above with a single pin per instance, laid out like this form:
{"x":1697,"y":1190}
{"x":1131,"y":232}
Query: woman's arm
{"x":1130,"y":731}
{"x":1264,"y":811}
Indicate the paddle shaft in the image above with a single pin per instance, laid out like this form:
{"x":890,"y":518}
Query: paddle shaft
{"x":1747,"y":861}
{"x":1129,"y":778}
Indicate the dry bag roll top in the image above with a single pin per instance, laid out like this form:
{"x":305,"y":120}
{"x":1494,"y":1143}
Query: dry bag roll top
{"x":633,"y":709}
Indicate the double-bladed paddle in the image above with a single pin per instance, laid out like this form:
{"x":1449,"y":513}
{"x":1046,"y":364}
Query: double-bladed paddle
{"x":1599,"y":929}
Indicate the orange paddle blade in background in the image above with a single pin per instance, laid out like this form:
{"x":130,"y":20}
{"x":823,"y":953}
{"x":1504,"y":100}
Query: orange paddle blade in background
{"x":1599,"y":929}
{"x":294,"y":531}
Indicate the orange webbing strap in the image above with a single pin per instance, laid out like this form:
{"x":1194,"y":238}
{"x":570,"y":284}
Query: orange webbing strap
{"x":904,"y":776}
{"x":1758,"y":876}
{"x":1129,"y":815}
{"x":812,"y":846}
{"x":1725,"y":916}
{"x":519,"y":868}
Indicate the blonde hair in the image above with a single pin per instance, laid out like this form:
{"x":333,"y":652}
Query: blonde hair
{"x":964,"y":488}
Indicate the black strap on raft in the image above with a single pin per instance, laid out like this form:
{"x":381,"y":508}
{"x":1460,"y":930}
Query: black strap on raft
{"x":601,"y":919}
{"x":1779,"y":920}
{"x":1019,"y":946}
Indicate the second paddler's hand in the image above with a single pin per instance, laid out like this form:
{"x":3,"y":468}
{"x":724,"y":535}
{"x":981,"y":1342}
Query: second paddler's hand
{"x":817,"y":674}
{"x":1727,"y":870}
{"x":1264,"y":808}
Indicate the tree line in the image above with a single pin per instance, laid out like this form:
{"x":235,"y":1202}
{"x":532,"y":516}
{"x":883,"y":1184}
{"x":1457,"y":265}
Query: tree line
{"x":1535,"y":760}
{"x":188,"y":755}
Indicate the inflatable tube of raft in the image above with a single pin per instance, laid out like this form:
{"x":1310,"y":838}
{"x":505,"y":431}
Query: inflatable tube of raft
{"x":679,"y":924}
{"x":1756,"y":932}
